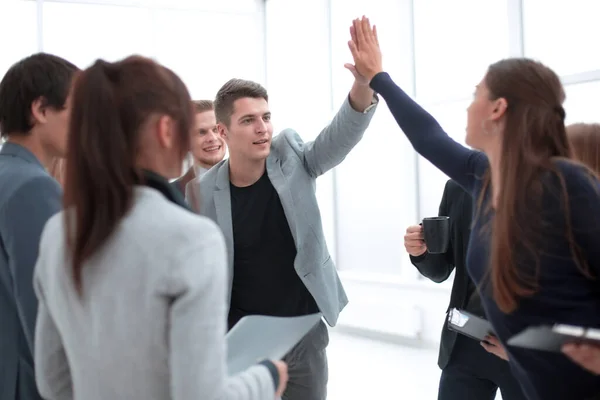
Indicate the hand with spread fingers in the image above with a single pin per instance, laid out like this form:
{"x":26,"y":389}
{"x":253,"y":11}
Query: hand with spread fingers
{"x":364,"y":46}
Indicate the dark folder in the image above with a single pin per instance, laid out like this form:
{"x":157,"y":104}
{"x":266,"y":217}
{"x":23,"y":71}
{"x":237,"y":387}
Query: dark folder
{"x":468,"y":324}
{"x":552,"y":338}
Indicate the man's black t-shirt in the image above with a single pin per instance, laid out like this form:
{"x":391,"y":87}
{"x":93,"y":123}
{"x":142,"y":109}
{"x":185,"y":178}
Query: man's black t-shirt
{"x":264,"y":279}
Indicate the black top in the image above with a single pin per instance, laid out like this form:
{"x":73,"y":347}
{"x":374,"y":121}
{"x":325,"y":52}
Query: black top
{"x":264,"y":279}
{"x":564,"y":295}
{"x":456,"y":204}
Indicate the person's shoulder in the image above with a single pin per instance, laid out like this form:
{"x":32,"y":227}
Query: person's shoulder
{"x":170,"y":223}
{"x":210,"y":176}
{"x":577,"y":176}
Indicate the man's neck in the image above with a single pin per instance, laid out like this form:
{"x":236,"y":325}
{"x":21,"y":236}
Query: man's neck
{"x":200,"y":165}
{"x":34,"y":146}
{"x":245,"y":173}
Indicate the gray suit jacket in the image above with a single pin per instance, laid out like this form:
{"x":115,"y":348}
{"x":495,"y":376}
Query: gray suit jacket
{"x":293,"y":167}
{"x":150,"y":322}
{"x":29,"y":196}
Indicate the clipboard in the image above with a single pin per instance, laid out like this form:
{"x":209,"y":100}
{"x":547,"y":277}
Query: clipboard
{"x":259,"y":337}
{"x":553,"y":337}
{"x":469,"y":325}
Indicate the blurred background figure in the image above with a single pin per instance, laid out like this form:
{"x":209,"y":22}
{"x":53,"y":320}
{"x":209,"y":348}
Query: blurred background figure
{"x":207,"y":147}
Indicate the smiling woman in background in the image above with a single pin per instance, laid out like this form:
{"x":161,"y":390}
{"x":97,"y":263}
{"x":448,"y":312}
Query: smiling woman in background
{"x":131,"y":284}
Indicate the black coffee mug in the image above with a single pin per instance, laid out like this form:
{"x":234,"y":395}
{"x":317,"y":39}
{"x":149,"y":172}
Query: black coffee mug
{"x":436,"y":233}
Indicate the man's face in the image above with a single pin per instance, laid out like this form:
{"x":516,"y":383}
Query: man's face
{"x":53,"y":125}
{"x":208,"y":148}
{"x":250,"y":130}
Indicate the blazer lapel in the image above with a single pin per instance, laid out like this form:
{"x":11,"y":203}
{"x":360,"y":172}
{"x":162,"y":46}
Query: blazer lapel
{"x":223,"y":209}
{"x":279,"y":182}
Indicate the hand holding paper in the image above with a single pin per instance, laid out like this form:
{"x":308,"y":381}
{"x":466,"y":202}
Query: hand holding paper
{"x":258,"y":337}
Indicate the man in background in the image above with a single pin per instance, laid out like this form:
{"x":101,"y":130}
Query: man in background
{"x":469,"y":371}
{"x":34,"y":116}
{"x":207,"y":147}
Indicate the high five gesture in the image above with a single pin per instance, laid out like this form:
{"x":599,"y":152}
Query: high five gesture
{"x":364,"y":46}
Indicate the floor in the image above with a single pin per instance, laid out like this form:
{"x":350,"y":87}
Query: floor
{"x":365,"y":369}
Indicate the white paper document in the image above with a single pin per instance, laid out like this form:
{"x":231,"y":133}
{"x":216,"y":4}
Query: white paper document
{"x":258,"y":337}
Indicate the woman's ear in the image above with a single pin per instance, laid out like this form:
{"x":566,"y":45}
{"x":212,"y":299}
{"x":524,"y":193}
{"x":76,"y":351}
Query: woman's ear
{"x":499,"y":109}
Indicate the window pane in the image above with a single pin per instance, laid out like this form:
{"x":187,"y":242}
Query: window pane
{"x":453,"y":118}
{"x":207,"y":49}
{"x":455,"y":41}
{"x":79,"y":32}
{"x":394,"y":31}
{"x":299,"y":88}
{"x":581,"y":104}
{"x":18,"y":32}
{"x":371,"y":221}
{"x":376,"y":200}
{"x":562,"y":35}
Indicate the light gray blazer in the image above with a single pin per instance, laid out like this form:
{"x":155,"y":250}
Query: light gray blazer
{"x":292,"y":167}
{"x":151,"y":322}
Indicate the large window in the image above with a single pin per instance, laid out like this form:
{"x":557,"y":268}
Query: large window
{"x":204,"y":42}
{"x":562,"y":34}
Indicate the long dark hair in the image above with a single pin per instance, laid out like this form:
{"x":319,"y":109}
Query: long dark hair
{"x":111,"y":103}
{"x":533,"y":138}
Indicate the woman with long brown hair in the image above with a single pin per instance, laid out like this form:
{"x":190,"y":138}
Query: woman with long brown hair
{"x":534,"y":249}
{"x":131,"y":284}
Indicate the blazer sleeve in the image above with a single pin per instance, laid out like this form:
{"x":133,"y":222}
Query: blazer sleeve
{"x":52,"y":370}
{"x":437,"y":267}
{"x":197,"y":289}
{"x":24,"y":218}
{"x":334,"y":142}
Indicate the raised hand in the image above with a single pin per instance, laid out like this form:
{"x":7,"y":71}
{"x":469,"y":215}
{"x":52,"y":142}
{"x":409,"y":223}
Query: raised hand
{"x":364,"y":46}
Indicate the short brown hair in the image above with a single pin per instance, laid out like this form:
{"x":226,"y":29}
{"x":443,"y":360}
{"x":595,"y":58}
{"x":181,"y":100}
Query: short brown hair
{"x":201,"y":106}
{"x":40,"y":75}
{"x":233,"y":90}
{"x":585,"y":143}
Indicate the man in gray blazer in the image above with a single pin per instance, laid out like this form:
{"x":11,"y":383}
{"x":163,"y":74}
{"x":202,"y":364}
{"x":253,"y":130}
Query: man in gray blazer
{"x":34,"y":111}
{"x":263,"y":198}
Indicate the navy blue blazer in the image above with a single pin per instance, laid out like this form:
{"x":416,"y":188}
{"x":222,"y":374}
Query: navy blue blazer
{"x":29,"y":196}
